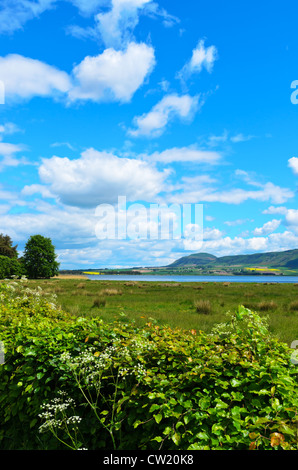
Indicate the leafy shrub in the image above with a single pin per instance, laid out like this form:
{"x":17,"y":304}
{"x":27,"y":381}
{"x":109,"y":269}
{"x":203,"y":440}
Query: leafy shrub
{"x":10,"y":267}
{"x":87,"y":384}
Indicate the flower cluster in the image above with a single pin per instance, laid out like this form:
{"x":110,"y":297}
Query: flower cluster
{"x":138,"y":370}
{"x":55,"y":414}
{"x":88,"y":366}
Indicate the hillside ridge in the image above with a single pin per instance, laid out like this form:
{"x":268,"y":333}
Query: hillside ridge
{"x":288,"y":259}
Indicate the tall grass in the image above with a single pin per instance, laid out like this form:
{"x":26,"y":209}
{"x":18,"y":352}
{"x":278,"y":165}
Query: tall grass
{"x":203,"y":306}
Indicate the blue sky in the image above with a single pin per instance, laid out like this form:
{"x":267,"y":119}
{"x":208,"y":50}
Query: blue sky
{"x":163,"y":102}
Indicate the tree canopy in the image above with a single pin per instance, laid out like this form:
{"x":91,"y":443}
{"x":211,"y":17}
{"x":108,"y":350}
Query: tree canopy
{"x":6,"y":247}
{"x":40,"y":258}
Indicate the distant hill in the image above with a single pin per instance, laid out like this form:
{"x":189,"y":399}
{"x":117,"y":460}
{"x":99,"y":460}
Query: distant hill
{"x":198,"y":259}
{"x":275,"y":259}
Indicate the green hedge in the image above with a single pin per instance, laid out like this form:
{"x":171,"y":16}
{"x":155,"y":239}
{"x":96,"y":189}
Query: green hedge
{"x":81,"y":383}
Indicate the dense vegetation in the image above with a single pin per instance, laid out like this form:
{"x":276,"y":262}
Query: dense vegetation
{"x":39,"y":260}
{"x":80,"y":382}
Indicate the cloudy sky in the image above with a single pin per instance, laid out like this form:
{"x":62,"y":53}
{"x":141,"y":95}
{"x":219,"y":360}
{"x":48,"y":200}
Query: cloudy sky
{"x":161,"y":102}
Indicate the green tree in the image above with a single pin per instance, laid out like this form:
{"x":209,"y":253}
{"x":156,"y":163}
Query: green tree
{"x":40,"y":258}
{"x":6,"y":248}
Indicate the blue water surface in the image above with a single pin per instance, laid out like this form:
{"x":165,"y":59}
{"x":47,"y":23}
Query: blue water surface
{"x":190,"y":278}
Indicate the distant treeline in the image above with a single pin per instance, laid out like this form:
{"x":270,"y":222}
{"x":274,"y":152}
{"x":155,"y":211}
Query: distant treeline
{"x":105,"y":271}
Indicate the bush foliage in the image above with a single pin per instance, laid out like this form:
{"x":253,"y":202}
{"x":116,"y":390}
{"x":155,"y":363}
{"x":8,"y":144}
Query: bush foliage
{"x":81,"y":383}
{"x":10,"y":267}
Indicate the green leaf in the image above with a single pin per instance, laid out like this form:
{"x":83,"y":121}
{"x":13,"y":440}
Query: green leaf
{"x":137,"y":423}
{"x":202,"y":436}
{"x":154,"y":407}
{"x":176,"y":438}
{"x":33,"y":422}
{"x":235,"y":382}
{"x":158,"y":418}
{"x":216,"y":429}
{"x":157,"y":438}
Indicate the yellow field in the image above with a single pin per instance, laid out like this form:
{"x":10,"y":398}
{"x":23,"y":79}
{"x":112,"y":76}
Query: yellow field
{"x":262,"y":269}
{"x":87,"y":272}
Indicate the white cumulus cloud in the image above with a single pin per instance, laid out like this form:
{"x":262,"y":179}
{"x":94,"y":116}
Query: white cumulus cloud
{"x":100,"y":177}
{"x":112,"y":75}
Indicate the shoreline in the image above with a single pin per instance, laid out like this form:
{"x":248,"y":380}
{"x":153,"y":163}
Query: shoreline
{"x":70,"y":276}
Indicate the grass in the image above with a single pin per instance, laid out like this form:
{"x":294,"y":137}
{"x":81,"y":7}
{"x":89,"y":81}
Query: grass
{"x":188,"y":305}
{"x":203,"y":306}
{"x":99,"y":302}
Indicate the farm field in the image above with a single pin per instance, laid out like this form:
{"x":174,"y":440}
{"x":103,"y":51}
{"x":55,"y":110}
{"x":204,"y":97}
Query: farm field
{"x":197,"y":306}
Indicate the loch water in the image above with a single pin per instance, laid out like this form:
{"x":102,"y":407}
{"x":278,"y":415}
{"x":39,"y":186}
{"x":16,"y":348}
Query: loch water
{"x":191,"y":278}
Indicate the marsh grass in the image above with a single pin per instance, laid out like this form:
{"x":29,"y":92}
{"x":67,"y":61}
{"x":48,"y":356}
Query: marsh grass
{"x":203,"y":306}
{"x":111,"y":292}
{"x":99,"y":301}
{"x":173,"y":304}
{"x":81,"y":285}
{"x":293,"y":306}
{"x":266,"y":305}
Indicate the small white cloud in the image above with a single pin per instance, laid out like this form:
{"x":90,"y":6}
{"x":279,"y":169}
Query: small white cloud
{"x":249,"y":178}
{"x":214,"y":140}
{"x":202,"y":57}
{"x":8,"y":153}
{"x":241,"y":138}
{"x":112,"y":75}
{"x":276,"y":210}
{"x":234,"y":223}
{"x":9,"y":128}
{"x":184,"y":154}
{"x":293,"y":164}
{"x":154,"y":123}
{"x":267,"y":228}
{"x":7,"y":149}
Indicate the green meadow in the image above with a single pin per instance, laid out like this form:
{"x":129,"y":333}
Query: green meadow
{"x":188,"y":305}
